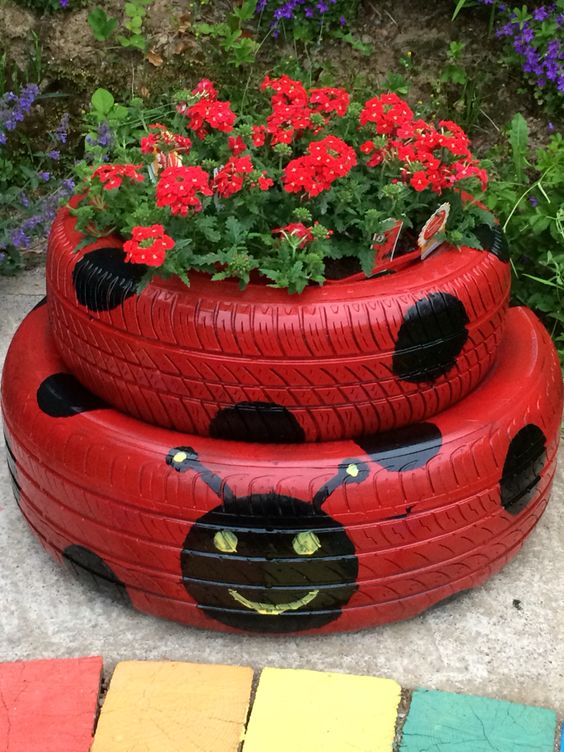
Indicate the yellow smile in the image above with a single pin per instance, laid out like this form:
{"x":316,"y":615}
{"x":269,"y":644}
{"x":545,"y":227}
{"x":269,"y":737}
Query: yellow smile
{"x":269,"y":609}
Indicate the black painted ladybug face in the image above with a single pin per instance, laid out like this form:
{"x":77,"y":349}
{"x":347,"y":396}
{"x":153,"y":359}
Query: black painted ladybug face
{"x":269,"y":563}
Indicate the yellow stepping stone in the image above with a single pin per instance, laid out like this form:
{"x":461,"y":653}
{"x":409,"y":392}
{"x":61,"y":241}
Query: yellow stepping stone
{"x":309,"y":711}
{"x":174,"y":707}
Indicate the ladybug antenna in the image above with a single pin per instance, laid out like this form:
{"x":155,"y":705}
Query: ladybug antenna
{"x":349,"y":471}
{"x":185,"y":458}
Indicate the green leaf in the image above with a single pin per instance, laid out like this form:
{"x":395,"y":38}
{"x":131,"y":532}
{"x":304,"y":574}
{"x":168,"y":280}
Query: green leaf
{"x":102,"y":101}
{"x":519,"y":139}
{"x":101,"y":25}
{"x":235,"y":231}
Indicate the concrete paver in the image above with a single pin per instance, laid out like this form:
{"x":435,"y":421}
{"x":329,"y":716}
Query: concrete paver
{"x":504,"y":640}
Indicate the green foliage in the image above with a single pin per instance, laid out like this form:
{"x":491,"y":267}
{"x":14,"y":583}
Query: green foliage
{"x":135,"y":11}
{"x":101,"y":25}
{"x":527,"y":194}
{"x":233,"y":36}
{"x":457,"y":91}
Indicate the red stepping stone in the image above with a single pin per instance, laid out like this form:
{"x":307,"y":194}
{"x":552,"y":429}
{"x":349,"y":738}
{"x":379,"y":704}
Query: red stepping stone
{"x":49,"y":706}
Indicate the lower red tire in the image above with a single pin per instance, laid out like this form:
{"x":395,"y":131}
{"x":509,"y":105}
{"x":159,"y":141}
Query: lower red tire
{"x":300,"y":539}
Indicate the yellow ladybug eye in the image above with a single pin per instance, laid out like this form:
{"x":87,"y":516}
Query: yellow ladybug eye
{"x":352,"y":470}
{"x":306,"y":544}
{"x":225,"y":541}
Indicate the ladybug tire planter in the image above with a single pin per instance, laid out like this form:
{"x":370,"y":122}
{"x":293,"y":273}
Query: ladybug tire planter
{"x":347,"y":359}
{"x":289,"y":538}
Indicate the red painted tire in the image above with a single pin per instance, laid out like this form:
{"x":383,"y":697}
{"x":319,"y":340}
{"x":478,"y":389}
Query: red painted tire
{"x":311,"y":538}
{"x":344,"y":360}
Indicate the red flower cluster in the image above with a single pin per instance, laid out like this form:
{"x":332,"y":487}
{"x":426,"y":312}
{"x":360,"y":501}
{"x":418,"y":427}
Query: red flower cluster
{"x":293,"y":107}
{"x":164,"y":140}
{"x":111,"y":175}
{"x":387,"y":112}
{"x":423,"y":149}
{"x":148,"y":245}
{"x":325,"y":161}
{"x":178,"y":188}
{"x":231,"y":178}
{"x":299,"y":230}
{"x":208,"y":111}
{"x":330,"y":100}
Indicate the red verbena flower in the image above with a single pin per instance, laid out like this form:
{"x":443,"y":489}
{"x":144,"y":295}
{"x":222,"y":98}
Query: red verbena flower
{"x":236,"y":144}
{"x":299,"y":230}
{"x":148,"y":245}
{"x":209,"y":113}
{"x":258,"y":135}
{"x":326,"y":160}
{"x":388,"y":112}
{"x":111,"y":175}
{"x":264,"y":182}
{"x":163,"y":139}
{"x":231,"y":177}
{"x":419,"y":181}
{"x":178,"y":188}
{"x":330,"y":100}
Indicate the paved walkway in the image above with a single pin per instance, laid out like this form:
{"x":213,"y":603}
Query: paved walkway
{"x":505,"y":640}
{"x":152,"y":706}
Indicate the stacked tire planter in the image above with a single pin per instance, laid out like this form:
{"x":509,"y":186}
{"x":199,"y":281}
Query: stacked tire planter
{"x":251,"y":460}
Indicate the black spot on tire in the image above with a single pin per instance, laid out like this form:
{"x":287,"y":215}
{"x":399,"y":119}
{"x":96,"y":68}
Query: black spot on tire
{"x":62,"y":395}
{"x":404,"y":448}
{"x":261,"y":422}
{"x":12,"y":470}
{"x":92,"y":570}
{"x":493,"y":239}
{"x":103,"y":280}
{"x":40,"y":304}
{"x":523,"y":464}
{"x":431,"y":336}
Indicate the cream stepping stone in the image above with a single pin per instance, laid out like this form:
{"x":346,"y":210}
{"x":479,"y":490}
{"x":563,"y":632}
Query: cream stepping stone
{"x":310,"y":711}
{"x":174,"y":707}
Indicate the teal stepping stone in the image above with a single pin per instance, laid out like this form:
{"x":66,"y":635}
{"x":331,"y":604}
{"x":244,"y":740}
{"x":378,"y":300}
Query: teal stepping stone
{"x":446,"y":722}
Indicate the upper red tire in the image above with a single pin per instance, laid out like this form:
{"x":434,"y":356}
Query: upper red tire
{"x":284,"y":538}
{"x":346,"y":359}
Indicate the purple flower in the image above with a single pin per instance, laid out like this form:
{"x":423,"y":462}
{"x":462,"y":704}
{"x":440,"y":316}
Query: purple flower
{"x":44,"y":176}
{"x":533,"y":201}
{"x":550,"y":127}
{"x":540,"y":14}
{"x":61,"y":131}
{"x":54,"y":154}
{"x":63,"y":3}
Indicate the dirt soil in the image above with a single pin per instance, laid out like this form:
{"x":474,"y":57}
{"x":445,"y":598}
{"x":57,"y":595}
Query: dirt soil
{"x":407,"y":38}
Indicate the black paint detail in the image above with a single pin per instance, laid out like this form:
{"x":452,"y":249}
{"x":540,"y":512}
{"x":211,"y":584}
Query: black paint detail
{"x":404,"y":448}
{"x":12,"y":469}
{"x":62,"y":395}
{"x":103,"y":280}
{"x":432,"y":334}
{"x":524,"y":462}
{"x":91,"y":569}
{"x":182,"y":458}
{"x":265,"y":567}
{"x":40,"y":304}
{"x":493,"y":239}
{"x":261,"y":422}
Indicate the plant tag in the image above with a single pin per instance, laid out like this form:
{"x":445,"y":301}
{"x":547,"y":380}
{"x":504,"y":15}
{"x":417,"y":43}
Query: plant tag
{"x":384,"y":245}
{"x":428,"y":239}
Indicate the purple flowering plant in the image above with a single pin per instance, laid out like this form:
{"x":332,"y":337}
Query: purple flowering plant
{"x":306,"y":19}
{"x":30,"y":189}
{"x":534,"y":41}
